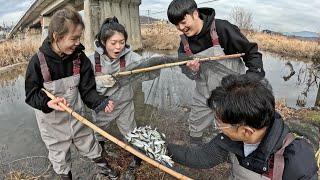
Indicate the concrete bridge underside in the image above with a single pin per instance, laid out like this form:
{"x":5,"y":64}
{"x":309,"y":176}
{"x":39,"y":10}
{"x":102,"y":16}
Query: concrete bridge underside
{"x":95,"y":11}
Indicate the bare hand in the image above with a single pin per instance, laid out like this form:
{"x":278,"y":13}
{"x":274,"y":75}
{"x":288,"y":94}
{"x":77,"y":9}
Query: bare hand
{"x":54,"y":103}
{"x":194,"y":65}
{"x":109,"y":107}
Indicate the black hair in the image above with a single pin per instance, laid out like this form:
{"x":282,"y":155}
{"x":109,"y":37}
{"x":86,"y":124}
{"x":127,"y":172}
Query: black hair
{"x":108,"y":29}
{"x":244,"y":99}
{"x":178,"y":9}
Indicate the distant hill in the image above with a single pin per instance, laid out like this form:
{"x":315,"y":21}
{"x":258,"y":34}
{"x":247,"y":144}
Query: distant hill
{"x":145,"y":19}
{"x":6,"y":29}
{"x":304,"y":34}
{"x":268,"y":31}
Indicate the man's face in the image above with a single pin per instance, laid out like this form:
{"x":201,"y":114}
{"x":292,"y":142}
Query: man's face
{"x":232,"y":131}
{"x":188,"y":25}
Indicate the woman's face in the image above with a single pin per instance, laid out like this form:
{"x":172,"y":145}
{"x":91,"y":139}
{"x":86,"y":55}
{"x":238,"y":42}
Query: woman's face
{"x":115,"y":44}
{"x":68,"y":43}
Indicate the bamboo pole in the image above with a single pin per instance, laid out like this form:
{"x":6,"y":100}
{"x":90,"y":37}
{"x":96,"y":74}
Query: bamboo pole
{"x":213,"y":58}
{"x":117,"y":141}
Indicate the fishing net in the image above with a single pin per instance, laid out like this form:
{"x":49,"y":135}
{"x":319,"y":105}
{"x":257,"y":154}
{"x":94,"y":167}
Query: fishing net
{"x":169,"y":87}
{"x":25,"y":168}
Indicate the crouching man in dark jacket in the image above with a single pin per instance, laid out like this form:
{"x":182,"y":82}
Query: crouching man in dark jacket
{"x":253,"y":136}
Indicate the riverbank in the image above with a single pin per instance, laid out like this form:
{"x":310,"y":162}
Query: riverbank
{"x":18,"y":50}
{"x":166,"y":121}
{"x":166,"y":37}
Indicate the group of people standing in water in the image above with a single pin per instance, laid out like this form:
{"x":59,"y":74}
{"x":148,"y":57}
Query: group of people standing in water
{"x":240,"y":105}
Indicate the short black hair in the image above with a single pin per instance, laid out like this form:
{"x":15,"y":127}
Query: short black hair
{"x":108,"y":29}
{"x":244,"y":99}
{"x":178,"y":9}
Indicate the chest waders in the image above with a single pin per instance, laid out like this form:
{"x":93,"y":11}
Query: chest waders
{"x":123,"y":111}
{"x":201,"y":116}
{"x":59,"y":129}
{"x":239,"y":172}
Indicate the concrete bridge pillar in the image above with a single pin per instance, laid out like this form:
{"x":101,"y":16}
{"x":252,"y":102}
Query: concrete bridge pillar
{"x":45,"y":21}
{"x":127,"y":11}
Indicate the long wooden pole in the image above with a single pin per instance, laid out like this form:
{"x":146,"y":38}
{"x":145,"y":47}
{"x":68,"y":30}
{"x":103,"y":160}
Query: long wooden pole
{"x":117,"y":141}
{"x":213,"y":58}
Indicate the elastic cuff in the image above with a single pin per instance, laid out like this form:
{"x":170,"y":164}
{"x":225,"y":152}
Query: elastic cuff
{"x":196,"y":134}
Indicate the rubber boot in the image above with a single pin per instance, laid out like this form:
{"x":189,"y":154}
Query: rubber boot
{"x":102,"y":143}
{"x":135,"y":163}
{"x":105,"y":168}
{"x":66,"y":176}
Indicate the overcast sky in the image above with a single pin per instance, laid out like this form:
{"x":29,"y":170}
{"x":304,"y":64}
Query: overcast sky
{"x":277,"y":15}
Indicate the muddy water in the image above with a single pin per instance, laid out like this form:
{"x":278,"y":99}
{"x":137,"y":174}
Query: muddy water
{"x":20,"y":135}
{"x":299,"y":87}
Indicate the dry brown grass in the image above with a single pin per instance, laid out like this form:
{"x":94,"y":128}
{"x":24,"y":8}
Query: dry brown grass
{"x":166,"y":37}
{"x":285,"y":111}
{"x":290,"y":47}
{"x":18,"y":50}
{"x":14,"y":175}
{"x":160,"y":37}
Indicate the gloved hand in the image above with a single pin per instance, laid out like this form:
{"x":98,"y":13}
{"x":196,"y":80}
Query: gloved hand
{"x":105,"y":81}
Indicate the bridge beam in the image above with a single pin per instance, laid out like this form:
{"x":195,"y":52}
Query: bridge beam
{"x":95,"y":11}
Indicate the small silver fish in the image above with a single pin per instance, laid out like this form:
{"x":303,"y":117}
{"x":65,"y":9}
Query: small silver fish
{"x":151,"y":141}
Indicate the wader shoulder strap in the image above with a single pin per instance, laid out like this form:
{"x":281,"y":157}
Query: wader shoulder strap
{"x":186,"y":46}
{"x":122,"y":63}
{"x":76,"y":65}
{"x":97,"y":63}
{"x":44,"y":67}
{"x":279,"y":159}
{"x":213,"y":33}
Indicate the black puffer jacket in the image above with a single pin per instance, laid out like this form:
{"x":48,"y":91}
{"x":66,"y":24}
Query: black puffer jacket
{"x":230,"y":39}
{"x":59,"y":67}
{"x":299,"y":155}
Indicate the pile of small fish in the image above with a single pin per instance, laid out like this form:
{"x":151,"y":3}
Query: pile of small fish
{"x":151,"y":142}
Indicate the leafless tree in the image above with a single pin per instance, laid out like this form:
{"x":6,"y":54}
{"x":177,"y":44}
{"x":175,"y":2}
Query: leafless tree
{"x":242,"y":18}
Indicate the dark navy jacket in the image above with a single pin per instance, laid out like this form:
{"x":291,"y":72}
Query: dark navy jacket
{"x":299,"y":156}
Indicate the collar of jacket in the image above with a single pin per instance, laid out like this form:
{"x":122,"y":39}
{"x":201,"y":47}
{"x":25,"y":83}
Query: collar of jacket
{"x":258,"y":160}
{"x":46,"y":49}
